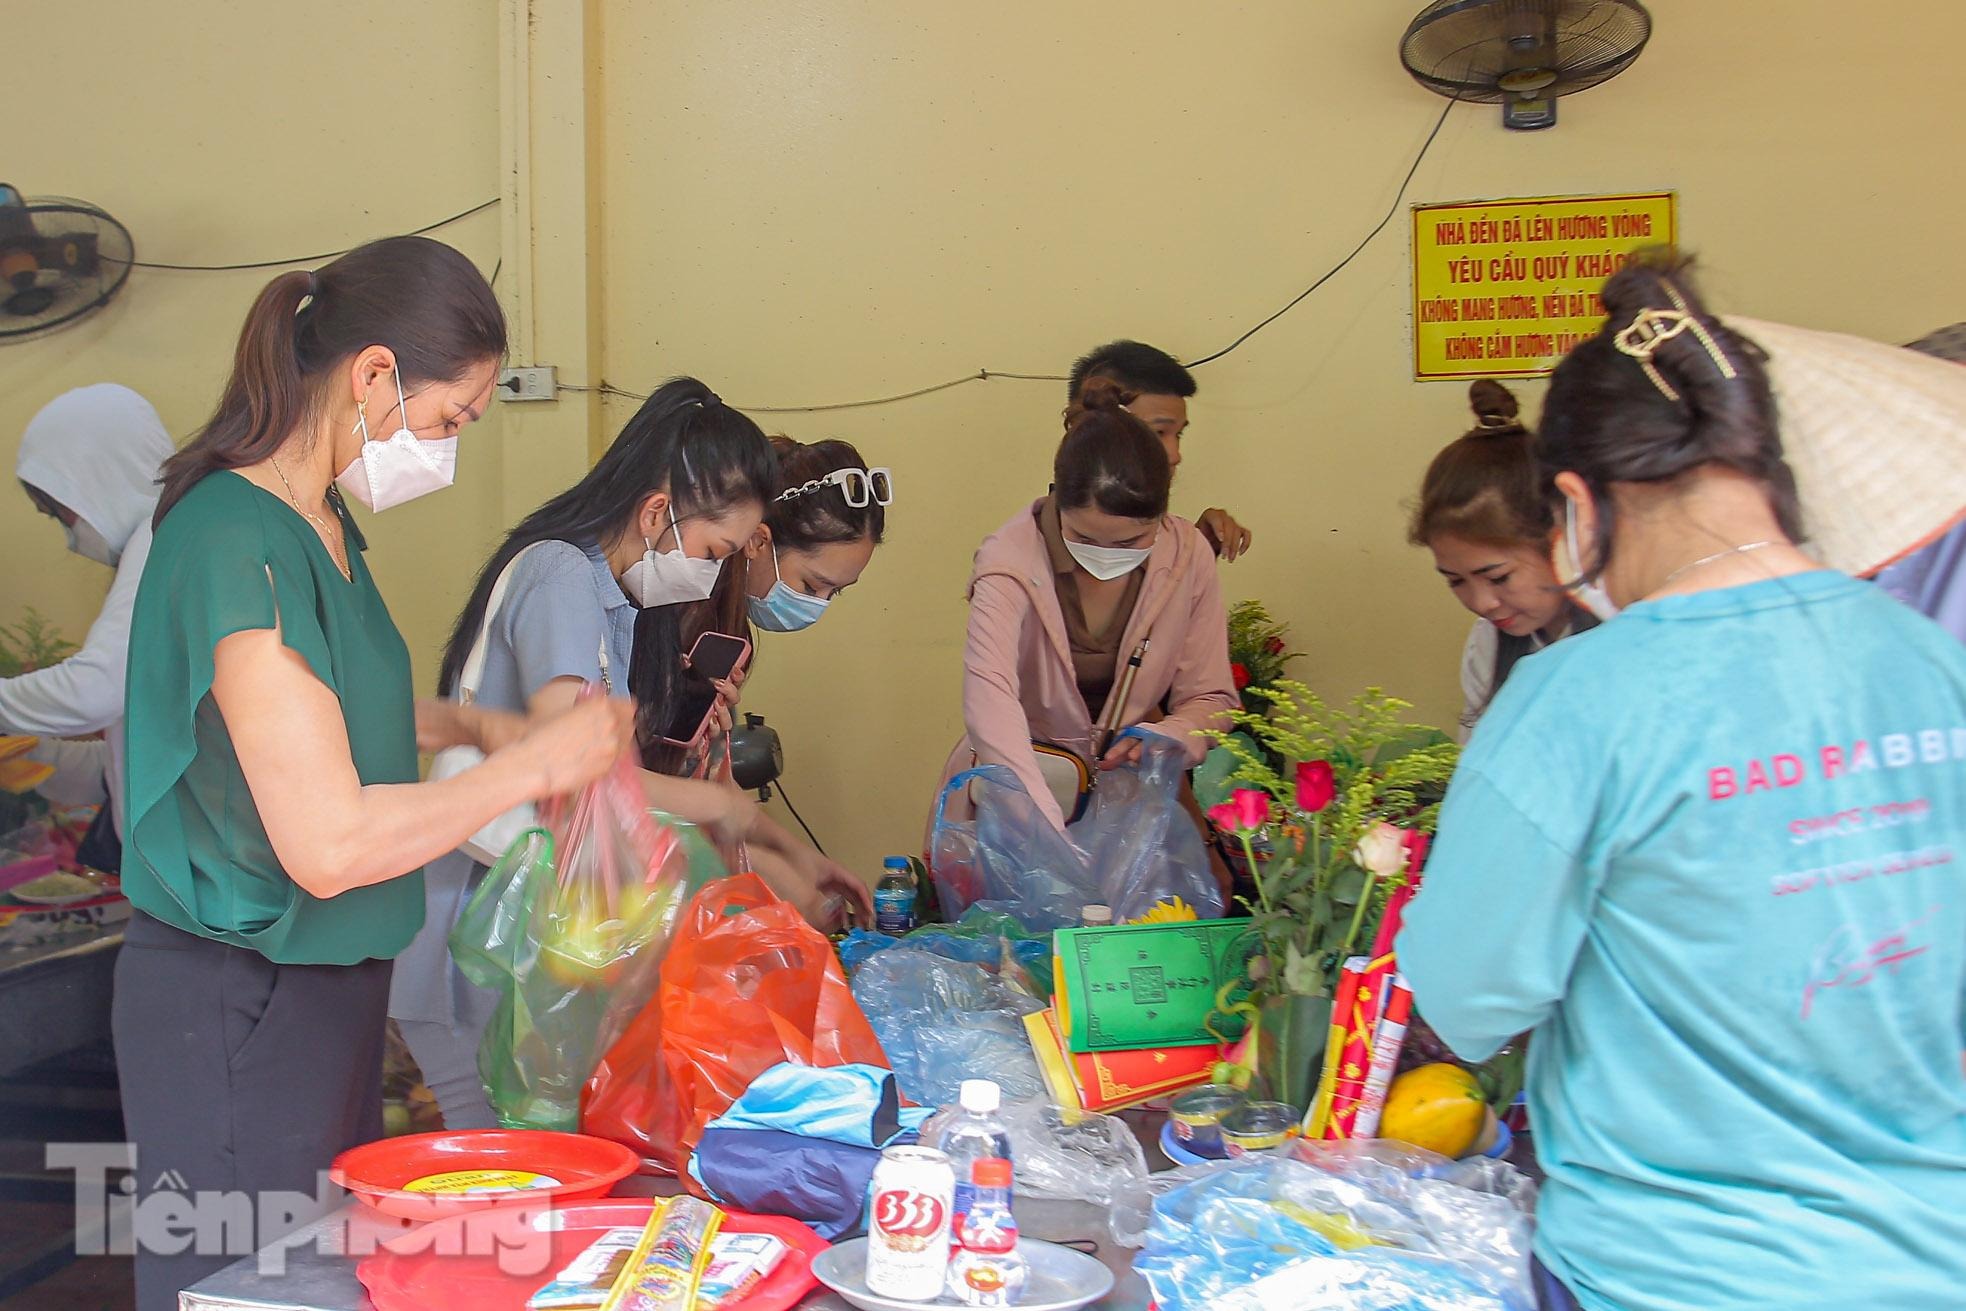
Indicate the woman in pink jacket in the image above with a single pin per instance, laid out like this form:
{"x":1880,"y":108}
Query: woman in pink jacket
{"x":1063,"y":596}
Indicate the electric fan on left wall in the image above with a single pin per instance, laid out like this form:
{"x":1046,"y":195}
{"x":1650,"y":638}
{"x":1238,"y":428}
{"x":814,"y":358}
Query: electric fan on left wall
{"x":60,"y":261}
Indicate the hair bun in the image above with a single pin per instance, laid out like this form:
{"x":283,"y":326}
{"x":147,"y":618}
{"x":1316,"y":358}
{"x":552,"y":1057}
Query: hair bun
{"x":1494,"y":406}
{"x":1104,"y":394}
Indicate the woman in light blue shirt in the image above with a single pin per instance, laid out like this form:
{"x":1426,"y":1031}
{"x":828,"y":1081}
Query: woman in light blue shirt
{"x":598,"y":577}
{"x":1707,"y":852}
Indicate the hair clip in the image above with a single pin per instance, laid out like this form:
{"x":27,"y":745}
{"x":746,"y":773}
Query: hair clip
{"x":1650,"y":328}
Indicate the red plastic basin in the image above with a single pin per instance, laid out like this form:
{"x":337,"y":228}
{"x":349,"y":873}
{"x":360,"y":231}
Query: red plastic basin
{"x":579,"y":1166}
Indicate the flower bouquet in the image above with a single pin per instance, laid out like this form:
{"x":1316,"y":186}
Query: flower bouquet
{"x":1257,"y":653}
{"x":1329,"y":807}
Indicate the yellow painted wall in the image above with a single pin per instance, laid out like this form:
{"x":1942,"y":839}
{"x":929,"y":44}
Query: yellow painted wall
{"x":226,"y":133}
{"x":819,"y":200}
{"x":849,"y":199}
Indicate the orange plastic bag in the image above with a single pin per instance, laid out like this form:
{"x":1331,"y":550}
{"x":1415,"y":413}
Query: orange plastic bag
{"x":747,"y":984}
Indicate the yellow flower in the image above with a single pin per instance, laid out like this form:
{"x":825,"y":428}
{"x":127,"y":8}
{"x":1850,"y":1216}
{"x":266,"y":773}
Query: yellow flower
{"x":1173,"y":911}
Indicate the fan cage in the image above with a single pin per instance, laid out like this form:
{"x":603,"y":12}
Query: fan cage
{"x":1460,"y":48}
{"x":77,"y":295}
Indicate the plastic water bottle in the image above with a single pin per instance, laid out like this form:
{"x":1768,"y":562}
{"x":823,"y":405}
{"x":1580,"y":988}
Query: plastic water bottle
{"x":987,"y":1269}
{"x":894,"y":897}
{"x":972,"y":1133}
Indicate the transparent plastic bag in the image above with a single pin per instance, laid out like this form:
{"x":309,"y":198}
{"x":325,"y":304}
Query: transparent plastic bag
{"x":1088,"y":1160}
{"x":942,"y":1021}
{"x":1361,"y":1230}
{"x":1134,"y":846}
{"x":992,"y":939}
{"x":569,"y":928}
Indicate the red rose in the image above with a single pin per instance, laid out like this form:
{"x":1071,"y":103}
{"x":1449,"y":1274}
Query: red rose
{"x":1274,"y":646}
{"x":1315,"y":785}
{"x":1240,"y":673}
{"x":1246,"y":810}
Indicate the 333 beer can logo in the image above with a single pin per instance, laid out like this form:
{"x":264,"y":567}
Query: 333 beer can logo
{"x":904,"y":1213}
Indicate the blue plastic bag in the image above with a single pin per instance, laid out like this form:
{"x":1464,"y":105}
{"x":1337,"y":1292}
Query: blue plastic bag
{"x":1135,"y":846}
{"x":1354,"y":1232}
{"x":980,"y":937}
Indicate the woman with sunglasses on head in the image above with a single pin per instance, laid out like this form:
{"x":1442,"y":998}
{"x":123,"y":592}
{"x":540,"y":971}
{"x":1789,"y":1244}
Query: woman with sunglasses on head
{"x":819,"y":534}
{"x":604,"y":579}
{"x":1706,"y":851}
{"x":1068,"y":593}
{"x":275,"y":824}
{"x":1483,"y":515}
{"x":817,"y":538}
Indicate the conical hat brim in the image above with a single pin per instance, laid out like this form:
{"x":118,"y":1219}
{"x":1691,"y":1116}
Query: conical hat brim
{"x":1876,"y":435}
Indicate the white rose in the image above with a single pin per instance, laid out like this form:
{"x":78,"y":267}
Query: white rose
{"x":1382,"y":851}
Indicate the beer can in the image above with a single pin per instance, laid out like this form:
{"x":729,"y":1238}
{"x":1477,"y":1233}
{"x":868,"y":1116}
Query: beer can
{"x":908,"y":1224}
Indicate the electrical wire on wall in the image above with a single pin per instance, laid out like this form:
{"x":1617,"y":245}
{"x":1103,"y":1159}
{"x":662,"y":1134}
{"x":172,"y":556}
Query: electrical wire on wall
{"x":306,"y":259}
{"x":981,"y":375}
{"x":985,"y":375}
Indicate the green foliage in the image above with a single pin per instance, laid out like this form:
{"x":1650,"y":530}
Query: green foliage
{"x":31,"y":644}
{"x":1316,"y":903}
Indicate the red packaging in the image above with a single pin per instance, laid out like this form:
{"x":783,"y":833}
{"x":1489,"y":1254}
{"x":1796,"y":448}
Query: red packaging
{"x":1387,"y":1040}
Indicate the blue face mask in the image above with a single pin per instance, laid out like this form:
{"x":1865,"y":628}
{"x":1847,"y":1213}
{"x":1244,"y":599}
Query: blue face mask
{"x":783,"y":610}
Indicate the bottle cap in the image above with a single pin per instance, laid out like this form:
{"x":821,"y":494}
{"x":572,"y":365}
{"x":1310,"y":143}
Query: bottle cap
{"x":895,"y":862}
{"x":1095,"y":916}
{"x":990,"y":1172}
{"x":981,"y":1096}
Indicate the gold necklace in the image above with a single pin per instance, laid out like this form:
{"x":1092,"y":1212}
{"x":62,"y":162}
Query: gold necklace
{"x":329,"y":539}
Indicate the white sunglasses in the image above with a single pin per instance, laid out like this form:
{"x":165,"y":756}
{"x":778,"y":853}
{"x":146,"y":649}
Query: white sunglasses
{"x":859,"y":486}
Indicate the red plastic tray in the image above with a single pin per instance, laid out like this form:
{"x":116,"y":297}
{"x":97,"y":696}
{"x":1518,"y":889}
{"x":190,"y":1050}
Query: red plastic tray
{"x":376,"y":1172}
{"x":493,"y":1260}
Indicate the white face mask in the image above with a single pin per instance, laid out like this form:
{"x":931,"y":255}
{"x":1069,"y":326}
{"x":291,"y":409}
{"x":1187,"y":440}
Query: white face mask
{"x":1107,"y":562}
{"x":86,"y":542}
{"x":386,"y":474}
{"x":1591,"y":595}
{"x":670,"y":577}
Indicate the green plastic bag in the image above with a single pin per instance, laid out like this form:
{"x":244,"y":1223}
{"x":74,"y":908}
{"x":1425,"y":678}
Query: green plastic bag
{"x":570,"y":928}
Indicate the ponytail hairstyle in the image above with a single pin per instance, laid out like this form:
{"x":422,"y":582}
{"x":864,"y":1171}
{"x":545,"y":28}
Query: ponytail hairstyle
{"x":684,"y":440}
{"x":816,"y":518}
{"x":1110,"y":460}
{"x":420,"y":298}
{"x":1484,"y":485}
{"x":1663,"y":389}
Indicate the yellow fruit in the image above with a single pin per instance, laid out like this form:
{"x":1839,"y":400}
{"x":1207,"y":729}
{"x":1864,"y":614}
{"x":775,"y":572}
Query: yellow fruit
{"x":24,"y":775}
{"x":1438,"y":1107}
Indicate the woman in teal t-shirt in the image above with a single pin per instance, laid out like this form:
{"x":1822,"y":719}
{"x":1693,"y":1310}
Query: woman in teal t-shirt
{"x":1708,"y":852}
{"x":276,"y":828}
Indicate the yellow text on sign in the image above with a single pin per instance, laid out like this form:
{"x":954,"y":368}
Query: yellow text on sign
{"x":1504,"y":289}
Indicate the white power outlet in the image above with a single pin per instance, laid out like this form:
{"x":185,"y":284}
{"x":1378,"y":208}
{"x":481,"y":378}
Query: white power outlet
{"x":534,"y":384}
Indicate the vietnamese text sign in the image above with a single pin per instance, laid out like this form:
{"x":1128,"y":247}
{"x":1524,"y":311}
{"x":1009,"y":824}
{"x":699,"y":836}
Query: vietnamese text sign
{"x":1504,"y":289}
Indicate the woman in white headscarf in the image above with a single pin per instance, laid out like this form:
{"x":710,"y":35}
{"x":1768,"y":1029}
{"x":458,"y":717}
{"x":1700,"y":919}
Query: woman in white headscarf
{"x":89,"y":461}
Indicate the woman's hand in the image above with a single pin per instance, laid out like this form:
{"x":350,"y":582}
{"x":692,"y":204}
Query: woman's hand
{"x":572,"y":749}
{"x":723,"y":715}
{"x":1123,"y":752}
{"x":838,"y":884}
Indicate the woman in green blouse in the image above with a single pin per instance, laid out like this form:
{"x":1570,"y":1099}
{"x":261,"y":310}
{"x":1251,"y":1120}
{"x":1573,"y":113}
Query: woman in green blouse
{"x":277,"y":829}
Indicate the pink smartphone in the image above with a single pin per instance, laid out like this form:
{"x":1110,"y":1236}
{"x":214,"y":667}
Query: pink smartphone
{"x":714,"y":656}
